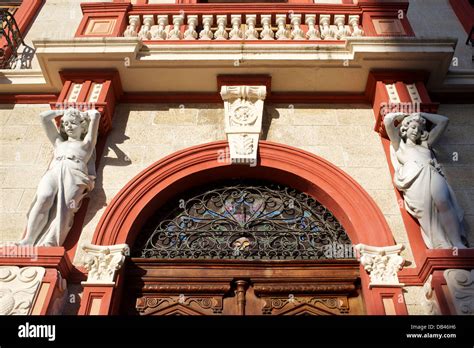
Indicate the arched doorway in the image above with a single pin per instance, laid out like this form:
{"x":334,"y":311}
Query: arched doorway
{"x":164,"y":181}
{"x":243,"y":247}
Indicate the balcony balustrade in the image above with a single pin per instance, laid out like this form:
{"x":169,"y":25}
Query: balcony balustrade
{"x":244,"y":26}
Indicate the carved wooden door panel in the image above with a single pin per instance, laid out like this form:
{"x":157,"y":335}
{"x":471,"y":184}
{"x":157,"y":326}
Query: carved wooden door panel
{"x":237,"y":288}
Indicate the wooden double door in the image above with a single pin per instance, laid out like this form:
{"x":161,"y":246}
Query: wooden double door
{"x":228,"y":287}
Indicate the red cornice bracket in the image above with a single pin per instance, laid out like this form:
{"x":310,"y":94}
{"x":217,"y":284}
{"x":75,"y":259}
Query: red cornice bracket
{"x":105,"y":99}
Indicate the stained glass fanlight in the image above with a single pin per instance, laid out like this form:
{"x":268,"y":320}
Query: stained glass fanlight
{"x":245,"y":221}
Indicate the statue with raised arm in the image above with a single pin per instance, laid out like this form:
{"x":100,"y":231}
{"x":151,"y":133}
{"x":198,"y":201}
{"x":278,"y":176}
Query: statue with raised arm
{"x":69,"y":178}
{"x":427,"y":194}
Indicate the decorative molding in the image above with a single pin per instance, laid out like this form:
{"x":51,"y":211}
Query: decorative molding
{"x":429,"y":301}
{"x":461,"y":288}
{"x":382,"y":264}
{"x":180,"y":304}
{"x":18,"y":289}
{"x":186,"y":288}
{"x":243,"y":108}
{"x":103,"y":262}
{"x":292,"y":305}
{"x":303,"y":288}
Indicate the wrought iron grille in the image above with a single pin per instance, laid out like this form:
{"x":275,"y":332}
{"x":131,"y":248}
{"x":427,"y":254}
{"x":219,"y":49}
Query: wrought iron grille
{"x":264,"y":222}
{"x":9,"y":30}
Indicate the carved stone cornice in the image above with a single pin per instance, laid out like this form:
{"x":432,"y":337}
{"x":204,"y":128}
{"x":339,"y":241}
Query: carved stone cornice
{"x":103,"y":262}
{"x":382,"y":264}
{"x":18,"y":288}
{"x":461,"y":287}
{"x":243,"y":108}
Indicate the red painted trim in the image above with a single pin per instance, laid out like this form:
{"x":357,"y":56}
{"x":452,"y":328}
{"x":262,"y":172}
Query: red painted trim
{"x":51,"y":277}
{"x":25,"y":14}
{"x":395,"y":294}
{"x":119,"y":28}
{"x":92,"y":292}
{"x":465,"y":13}
{"x":27,"y":98}
{"x":100,"y":76}
{"x":48,"y":257}
{"x":248,"y":80}
{"x":354,"y":208}
{"x":98,"y":10}
{"x":437,"y":283}
{"x":144,"y":194}
{"x":274,"y":97}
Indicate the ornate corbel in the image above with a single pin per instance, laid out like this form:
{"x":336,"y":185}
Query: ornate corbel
{"x":243,"y":108}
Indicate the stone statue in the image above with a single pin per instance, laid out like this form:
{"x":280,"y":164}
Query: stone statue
{"x":69,"y":178}
{"x":427,"y":194}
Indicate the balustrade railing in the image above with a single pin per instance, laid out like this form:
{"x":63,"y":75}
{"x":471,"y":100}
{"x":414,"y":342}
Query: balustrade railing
{"x":244,"y":26}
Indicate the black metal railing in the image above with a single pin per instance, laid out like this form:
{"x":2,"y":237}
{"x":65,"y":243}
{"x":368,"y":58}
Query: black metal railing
{"x":11,"y":39}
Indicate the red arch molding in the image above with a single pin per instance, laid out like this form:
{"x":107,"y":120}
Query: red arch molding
{"x":146,"y":192}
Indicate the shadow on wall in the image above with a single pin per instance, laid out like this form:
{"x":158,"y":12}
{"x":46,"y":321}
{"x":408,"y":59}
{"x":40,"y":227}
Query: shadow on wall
{"x":97,"y":197}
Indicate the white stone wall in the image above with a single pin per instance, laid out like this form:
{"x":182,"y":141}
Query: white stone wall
{"x":436,"y":19}
{"x":25,"y":152}
{"x":455,"y":152}
{"x":141,"y":135}
{"x":57,"y":19}
{"x":344,"y":135}
{"x":413,"y":296}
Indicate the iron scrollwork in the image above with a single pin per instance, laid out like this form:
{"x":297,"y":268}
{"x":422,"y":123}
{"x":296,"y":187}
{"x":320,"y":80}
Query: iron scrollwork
{"x":9,"y":30}
{"x":259,"y":222}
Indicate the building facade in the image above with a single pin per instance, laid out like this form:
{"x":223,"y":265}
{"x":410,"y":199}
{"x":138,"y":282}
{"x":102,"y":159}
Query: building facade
{"x":245,"y":162}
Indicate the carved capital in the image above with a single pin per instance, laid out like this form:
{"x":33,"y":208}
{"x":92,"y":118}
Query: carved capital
{"x":18,"y":288}
{"x":461,"y":287}
{"x":382,"y":264}
{"x":103,"y":261}
{"x":243,"y":107}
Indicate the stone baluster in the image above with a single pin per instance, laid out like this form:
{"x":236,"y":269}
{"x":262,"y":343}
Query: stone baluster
{"x":158,"y":31}
{"x":206,"y":32}
{"x":221,"y":33}
{"x":145,"y":33}
{"x":190,"y":33}
{"x":134,"y":23}
{"x":354,"y":23}
{"x":342,"y":32}
{"x":251,"y":33}
{"x":175,"y":33}
{"x":236,"y":32}
{"x":313,"y":32}
{"x":282,"y":33}
{"x":326,"y":32}
{"x":267,"y":33}
{"x":296,"y":33}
